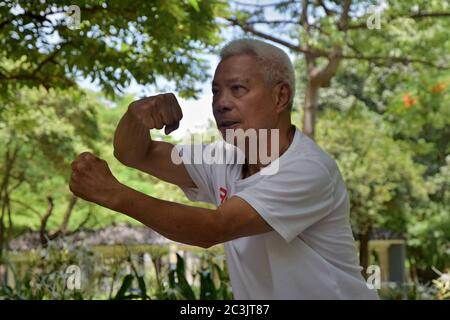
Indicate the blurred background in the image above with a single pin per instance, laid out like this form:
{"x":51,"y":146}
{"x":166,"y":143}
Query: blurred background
{"x":373,"y":84}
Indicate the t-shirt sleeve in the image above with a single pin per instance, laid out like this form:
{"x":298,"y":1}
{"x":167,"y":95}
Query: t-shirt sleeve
{"x":199,"y":171}
{"x":293,"y":199}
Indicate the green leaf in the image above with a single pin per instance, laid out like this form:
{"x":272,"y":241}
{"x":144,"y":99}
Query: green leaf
{"x":126,"y":285}
{"x":183,"y":285}
{"x":207,"y":288}
{"x":194,"y":4}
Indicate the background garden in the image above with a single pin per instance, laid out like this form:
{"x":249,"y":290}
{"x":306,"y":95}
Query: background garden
{"x":373,"y":89}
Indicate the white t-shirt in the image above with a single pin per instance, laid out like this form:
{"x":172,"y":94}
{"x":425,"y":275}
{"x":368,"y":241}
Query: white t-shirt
{"x":310,"y":254}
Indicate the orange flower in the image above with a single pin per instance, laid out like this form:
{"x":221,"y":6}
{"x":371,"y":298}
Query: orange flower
{"x":408,"y":102}
{"x":439,"y":87}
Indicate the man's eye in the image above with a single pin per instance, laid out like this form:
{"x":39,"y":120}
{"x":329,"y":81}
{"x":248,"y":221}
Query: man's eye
{"x":237,"y":88}
{"x":214,"y":91}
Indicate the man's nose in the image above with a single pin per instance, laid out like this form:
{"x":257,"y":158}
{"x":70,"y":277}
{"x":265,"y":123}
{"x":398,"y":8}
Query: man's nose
{"x":222,"y":103}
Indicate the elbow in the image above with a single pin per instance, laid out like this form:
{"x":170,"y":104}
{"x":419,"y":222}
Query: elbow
{"x":206,"y":245}
{"x":217,"y":232}
{"x":209,"y":244}
{"x":213,"y":233}
{"x":123,"y":160}
{"x":118,"y":156}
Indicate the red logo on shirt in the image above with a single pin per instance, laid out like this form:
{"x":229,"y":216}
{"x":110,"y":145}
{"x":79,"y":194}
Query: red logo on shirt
{"x":223,"y":194}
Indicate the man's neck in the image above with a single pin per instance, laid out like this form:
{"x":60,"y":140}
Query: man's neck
{"x":286,"y":136}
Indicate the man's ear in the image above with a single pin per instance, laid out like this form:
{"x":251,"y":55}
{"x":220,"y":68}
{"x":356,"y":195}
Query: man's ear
{"x":281,"y":93}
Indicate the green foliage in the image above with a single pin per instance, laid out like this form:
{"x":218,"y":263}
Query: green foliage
{"x":52,"y":124}
{"x":379,"y":172}
{"x":421,"y":114}
{"x":42,"y":131}
{"x":42,"y":275}
{"x":429,"y":231}
{"x":214,"y":281}
{"x":385,"y":119}
{"x":113,"y":44}
{"x":410,"y":108}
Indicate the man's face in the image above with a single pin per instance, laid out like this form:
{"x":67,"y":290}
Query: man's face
{"x":241,"y":98}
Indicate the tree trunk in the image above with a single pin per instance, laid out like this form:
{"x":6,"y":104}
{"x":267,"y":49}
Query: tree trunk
{"x":42,"y":233}
{"x":10,"y":158}
{"x":364,"y":251}
{"x":310,"y":107}
{"x":318,"y":77}
{"x":72,"y":202}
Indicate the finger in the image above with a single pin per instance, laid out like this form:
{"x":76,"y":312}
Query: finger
{"x":79,"y":167}
{"x":176,"y":109}
{"x":87,"y":156}
{"x":170,"y":120}
{"x":170,"y":128}
{"x":166,"y":115}
{"x":74,"y":177}
{"x":75,"y":165}
{"x":148,"y":121}
{"x":157,"y":120}
{"x":174,"y":124}
{"x":148,"y":116}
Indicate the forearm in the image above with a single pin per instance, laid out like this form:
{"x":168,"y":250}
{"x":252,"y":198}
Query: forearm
{"x":131,"y":139}
{"x":178,"y":222}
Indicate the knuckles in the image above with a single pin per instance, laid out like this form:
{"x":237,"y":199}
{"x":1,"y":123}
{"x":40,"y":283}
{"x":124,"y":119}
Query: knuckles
{"x":157,"y":111}
{"x":84,"y":161}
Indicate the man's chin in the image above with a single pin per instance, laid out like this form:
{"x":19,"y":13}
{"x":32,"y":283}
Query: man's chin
{"x":231,"y":130}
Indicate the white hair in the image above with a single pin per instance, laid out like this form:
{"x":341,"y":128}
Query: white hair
{"x":275,"y":63}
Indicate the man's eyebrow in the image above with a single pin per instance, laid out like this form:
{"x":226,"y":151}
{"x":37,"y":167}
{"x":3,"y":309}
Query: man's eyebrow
{"x":235,"y":79}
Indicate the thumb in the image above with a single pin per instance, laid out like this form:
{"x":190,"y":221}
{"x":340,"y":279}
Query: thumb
{"x":169,"y":128}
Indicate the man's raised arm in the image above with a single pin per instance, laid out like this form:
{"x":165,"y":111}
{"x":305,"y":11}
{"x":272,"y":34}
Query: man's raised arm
{"x":134,"y":147}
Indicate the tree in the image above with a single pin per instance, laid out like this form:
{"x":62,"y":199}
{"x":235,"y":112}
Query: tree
{"x":325,"y":33}
{"x":379,"y":172}
{"x":429,"y":231}
{"x":420,"y":111}
{"x":42,"y":132}
{"x":113,"y":44}
{"x":411,"y":107}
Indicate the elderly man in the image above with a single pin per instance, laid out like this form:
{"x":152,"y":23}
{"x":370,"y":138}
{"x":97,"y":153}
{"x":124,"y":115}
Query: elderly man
{"x":286,"y":232}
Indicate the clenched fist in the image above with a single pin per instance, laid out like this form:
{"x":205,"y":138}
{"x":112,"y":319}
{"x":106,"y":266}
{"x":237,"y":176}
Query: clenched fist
{"x":158,"y":111}
{"x":92,"y":180}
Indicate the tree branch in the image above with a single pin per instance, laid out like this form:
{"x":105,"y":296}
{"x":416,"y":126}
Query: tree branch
{"x":266,"y":5}
{"x":328,"y":11}
{"x":81,"y":225}
{"x":70,"y":207}
{"x":403,"y":60}
{"x":304,"y":16}
{"x":49,"y":58}
{"x":322,"y":77}
{"x":293,"y":47}
{"x":343,"y":21}
{"x":419,"y":15}
{"x":42,"y":233}
{"x":425,"y":14}
{"x":272,"y":22}
{"x":26,"y":206}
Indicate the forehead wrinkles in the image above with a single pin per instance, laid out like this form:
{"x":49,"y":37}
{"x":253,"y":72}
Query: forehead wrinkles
{"x":240,"y":66}
{"x":238,"y":72}
{"x":230,"y":80}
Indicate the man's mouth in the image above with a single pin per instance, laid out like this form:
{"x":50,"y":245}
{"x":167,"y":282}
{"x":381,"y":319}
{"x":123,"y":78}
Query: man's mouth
{"x":228,"y":124}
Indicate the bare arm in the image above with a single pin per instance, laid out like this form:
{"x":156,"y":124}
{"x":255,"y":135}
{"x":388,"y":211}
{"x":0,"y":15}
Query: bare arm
{"x":196,"y":226}
{"x":134,"y":147}
{"x":93,"y":181}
